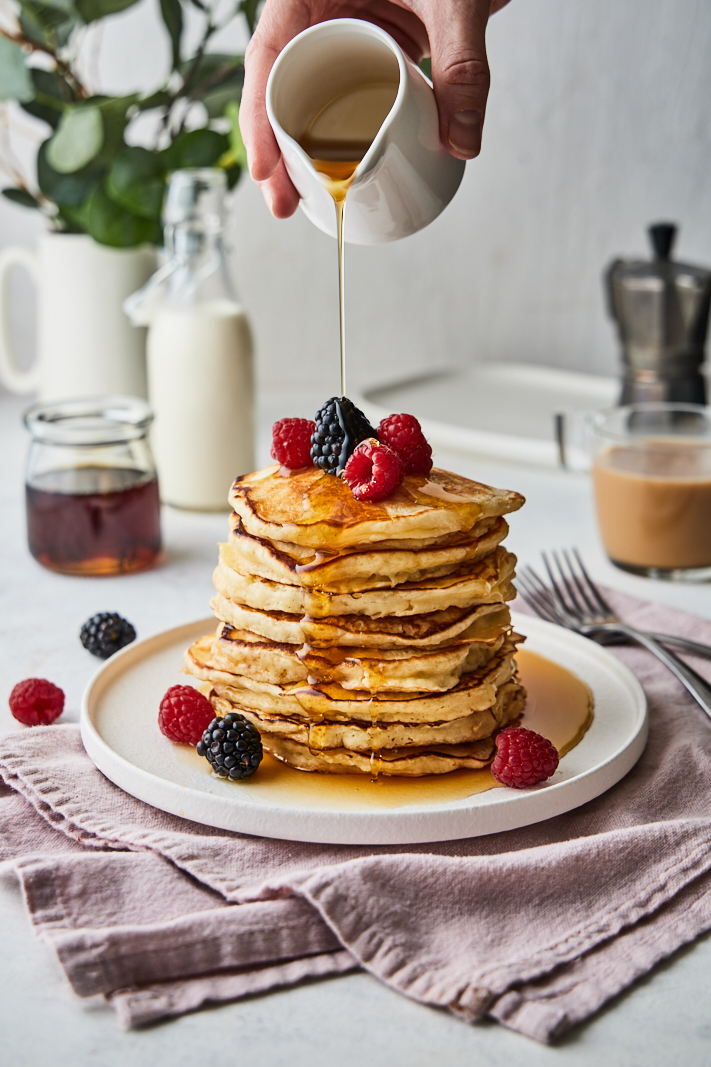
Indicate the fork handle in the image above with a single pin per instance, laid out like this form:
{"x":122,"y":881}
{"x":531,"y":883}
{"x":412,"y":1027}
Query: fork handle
{"x":684,"y":644}
{"x":697,"y":686}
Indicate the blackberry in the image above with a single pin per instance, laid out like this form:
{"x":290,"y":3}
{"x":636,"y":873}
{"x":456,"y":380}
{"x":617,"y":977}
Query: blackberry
{"x":340,"y":428}
{"x":106,"y":633}
{"x":232,"y":746}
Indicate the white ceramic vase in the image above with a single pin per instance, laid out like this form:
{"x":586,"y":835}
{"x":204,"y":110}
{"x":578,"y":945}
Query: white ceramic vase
{"x":85,"y":344}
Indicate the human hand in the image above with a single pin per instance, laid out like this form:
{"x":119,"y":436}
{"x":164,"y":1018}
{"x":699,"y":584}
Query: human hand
{"x":452,"y":32}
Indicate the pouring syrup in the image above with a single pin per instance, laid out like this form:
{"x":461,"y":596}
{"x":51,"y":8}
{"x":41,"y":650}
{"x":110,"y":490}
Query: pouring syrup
{"x":336,"y":139}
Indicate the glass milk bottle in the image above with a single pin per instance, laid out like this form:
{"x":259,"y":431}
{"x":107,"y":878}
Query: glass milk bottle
{"x":200,"y":380}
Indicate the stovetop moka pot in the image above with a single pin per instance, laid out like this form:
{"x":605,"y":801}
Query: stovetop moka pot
{"x":661,"y":308}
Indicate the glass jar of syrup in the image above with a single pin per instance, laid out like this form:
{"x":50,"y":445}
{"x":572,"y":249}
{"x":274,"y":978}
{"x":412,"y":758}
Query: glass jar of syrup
{"x":91,"y":486}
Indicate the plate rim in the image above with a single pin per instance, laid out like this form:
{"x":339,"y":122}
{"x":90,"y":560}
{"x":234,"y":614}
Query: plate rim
{"x":374,"y":826}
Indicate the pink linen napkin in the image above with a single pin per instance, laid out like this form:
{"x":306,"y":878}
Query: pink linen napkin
{"x":536,"y":927}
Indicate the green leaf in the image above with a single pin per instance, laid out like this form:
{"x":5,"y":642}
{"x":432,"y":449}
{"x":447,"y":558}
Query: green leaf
{"x":213,"y":69}
{"x":137,"y":183}
{"x":114,"y":112}
{"x":172,"y":13}
{"x":426,"y":67}
{"x":91,"y":10}
{"x":48,"y":25}
{"x":67,"y":190}
{"x":109,"y":224}
{"x":48,"y":83}
{"x":21,"y":196}
{"x":233,"y":174}
{"x":158,"y":99}
{"x":249,"y":9}
{"x":196,"y":148}
{"x":15,"y":80}
{"x":78,"y":139}
{"x":217,"y":100}
{"x":67,"y":7}
{"x":73,"y":219}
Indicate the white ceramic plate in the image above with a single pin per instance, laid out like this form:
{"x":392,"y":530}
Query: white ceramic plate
{"x":120,"y":733}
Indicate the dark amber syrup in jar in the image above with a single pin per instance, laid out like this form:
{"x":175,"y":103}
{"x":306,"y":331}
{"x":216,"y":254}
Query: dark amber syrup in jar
{"x":94,"y":520}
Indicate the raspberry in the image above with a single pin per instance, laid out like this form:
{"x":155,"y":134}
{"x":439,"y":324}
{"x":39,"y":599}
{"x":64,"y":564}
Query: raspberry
{"x":36,"y":702}
{"x":232,"y":746}
{"x":523,"y":758}
{"x":291,"y":442}
{"x":373,"y":471}
{"x":404,"y":435}
{"x":184,"y":714}
{"x":106,"y":633}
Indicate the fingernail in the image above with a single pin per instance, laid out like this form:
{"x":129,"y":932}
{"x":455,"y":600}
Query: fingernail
{"x":465,"y":132}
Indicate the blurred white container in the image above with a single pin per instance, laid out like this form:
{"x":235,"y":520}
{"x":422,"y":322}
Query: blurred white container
{"x":85,"y":344}
{"x":200,"y":376}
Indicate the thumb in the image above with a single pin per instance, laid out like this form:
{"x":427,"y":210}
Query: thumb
{"x":460,"y":71}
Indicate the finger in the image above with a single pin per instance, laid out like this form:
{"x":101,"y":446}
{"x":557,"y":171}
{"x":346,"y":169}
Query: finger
{"x":279,"y":22}
{"x":280,"y":193}
{"x":400,"y":22}
{"x":460,"y":71}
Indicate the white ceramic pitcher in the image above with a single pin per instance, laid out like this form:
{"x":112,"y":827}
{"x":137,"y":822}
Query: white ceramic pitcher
{"x":86,"y":345}
{"x":407,"y":177}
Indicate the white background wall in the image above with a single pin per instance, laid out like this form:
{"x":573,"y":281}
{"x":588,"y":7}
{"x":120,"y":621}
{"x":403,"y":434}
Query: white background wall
{"x":599,"y":122}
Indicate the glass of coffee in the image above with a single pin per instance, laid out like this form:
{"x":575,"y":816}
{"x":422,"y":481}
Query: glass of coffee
{"x":91,"y":486}
{"x":651,"y":474}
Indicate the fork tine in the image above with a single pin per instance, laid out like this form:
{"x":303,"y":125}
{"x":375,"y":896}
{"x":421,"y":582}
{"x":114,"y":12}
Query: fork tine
{"x":569,"y":586}
{"x":529,"y":575}
{"x":539,"y":599}
{"x":559,"y":598}
{"x":554,"y":606}
{"x":579,"y":583}
{"x":539,"y":609}
{"x":591,"y":585}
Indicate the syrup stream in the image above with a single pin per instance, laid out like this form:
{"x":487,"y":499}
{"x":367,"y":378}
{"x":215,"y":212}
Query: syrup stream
{"x":337,"y":176}
{"x":340,"y":217}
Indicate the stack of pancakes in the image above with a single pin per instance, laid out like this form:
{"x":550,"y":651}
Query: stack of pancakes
{"x":365,"y":637}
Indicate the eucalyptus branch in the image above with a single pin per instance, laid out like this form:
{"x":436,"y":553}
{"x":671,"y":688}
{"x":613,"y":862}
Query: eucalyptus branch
{"x":124,"y":183}
{"x":165,"y":126}
{"x":61,"y":66}
{"x":219,"y":77}
{"x":189,"y":79}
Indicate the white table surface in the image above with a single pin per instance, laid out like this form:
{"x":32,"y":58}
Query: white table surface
{"x":663,"y":1019}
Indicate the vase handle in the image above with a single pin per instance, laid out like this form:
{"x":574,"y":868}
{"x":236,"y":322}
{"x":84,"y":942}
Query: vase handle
{"x":11,"y":374}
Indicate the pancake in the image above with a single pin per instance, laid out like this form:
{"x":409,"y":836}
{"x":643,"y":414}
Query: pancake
{"x":407,"y":762}
{"x":475,"y":691}
{"x":365,"y":637}
{"x":356,"y":569}
{"x":373,"y":669}
{"x":366,"y":737}
{"x":319,"y":511}
{"x":485,"y":581}
{"x":414,"y":631}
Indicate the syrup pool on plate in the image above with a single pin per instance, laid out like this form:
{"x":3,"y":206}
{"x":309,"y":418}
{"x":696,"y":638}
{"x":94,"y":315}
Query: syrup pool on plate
{"x":559,"y":706}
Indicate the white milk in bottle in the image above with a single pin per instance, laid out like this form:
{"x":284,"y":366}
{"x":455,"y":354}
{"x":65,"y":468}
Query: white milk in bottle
{"x":200,"y":380}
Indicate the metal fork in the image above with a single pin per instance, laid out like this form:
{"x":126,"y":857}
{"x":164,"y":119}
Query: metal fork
{"x":573,"y":600}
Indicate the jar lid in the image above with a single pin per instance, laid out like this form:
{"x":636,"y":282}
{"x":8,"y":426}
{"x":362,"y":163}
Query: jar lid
{"x":97,"y":420}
